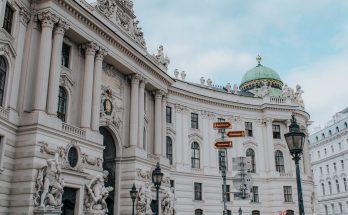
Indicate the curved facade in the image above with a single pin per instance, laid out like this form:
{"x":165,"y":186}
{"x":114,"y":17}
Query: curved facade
{"x":78,"y":85}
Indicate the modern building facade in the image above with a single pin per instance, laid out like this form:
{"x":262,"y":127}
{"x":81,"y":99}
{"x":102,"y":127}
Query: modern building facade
{"x":329,"y":159}
{"x":76,"y":80}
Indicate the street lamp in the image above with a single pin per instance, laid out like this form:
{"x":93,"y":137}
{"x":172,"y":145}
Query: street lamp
{"x":295,"y":140}
{"x":133,"y":193}
{"x":157,"y":180}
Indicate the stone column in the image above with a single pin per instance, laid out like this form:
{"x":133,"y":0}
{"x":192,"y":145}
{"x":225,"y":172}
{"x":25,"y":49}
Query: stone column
{"x":97,"y":88}
{"x":178,"y":139}
{"x":24,"y":18}
{"x":48,"y":19}
{"x":270,"y":145}
{"x":53,"y":87}
{"x":158,"y":122}
{"x":141,"y":114}
{"x":164,"y":125}
{"x":134,"y":111}
{"x":90,"y":49}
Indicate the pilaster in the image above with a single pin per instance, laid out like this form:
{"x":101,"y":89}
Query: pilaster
{"x":158,"y":121}
{"x":134,"y":110}
{"x":141,"y":113}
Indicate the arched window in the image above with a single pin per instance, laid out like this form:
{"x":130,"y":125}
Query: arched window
{"x":346,"y":125}
{"x":169,"y":150}
{"x":198,"y":212}
{"x":195,"y":155}
{"x":338,"y":186}
{"x":3,"y":70}
{"x":250,"y":153}
{"x":341,"y":207}
{"x":323,"y":135}
{"x":345,"y":184}
{"x":337,"y":129}
{"x":316,"y":138}
{"x":279,"y":160}
{"x":255,"y":212}
{"x":323,"y":188}
{"x":330,"y":188}
{"x":330,"y":132}
{"x":229,"y":212}
{"x":326,"y":210}
{"x":62,"y":103}
{"x":290,"y":212}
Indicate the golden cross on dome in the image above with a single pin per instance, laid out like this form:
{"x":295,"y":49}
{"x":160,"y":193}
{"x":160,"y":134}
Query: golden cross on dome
{"x":259,"y":58}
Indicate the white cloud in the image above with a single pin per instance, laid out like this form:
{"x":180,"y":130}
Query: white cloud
{"x":325,"y":86}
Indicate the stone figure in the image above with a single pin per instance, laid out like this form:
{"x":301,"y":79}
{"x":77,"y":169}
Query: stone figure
{"x":176,"y":73}
{"x":209,"y":82}
{"x":107,"y":7}
{"x":97,"y":193}
{"x":144,"y":199}
{"x":49,"y":185}
{"x":298,"y":95}
{"x":287,"y":92}
{"x":235,"y":89}
{"x":202,"y":80}
{"x":161,"y":58}
{"x":168,"y":202}
{"x":228,"y":87}
{"x":183,"y":75}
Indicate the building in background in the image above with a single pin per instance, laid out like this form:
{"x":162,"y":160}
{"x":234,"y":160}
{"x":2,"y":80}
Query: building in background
{"x":329,"y":159}
{"x":80,"y":91}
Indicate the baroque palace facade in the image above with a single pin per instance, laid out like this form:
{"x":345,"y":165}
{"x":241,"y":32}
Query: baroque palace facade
{"x":80,"y":94}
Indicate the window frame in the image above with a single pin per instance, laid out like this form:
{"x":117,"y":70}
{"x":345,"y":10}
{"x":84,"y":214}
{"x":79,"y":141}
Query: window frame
{"x":168,"y":114}
{"x":4,"y":68}
{"x":195,"y":155}
{"x":197,"y":193}
{"x":68,"y":65}
{"x":8,"y":20}
{"x":279,"y":161}
{"x":198,"y":212}
{"x":276,"y":131}
{"x":287,"y":191}
{"x":248,"y":129}
{"x":62,"y":115}
{"x":169,"y":149}
{"x":255,"y":194}
{"x":253,"y":159}
{"x":194,"y":121}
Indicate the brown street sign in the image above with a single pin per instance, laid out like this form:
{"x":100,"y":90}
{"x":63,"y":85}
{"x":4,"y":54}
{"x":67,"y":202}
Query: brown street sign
{"x":236,"y":134}
{"x":222,"y":125}
{"x":223,"y":144}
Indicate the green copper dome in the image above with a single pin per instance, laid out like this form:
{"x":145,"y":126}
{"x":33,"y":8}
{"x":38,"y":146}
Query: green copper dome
{"x":260,"y":76}
{"x":260,"y":72}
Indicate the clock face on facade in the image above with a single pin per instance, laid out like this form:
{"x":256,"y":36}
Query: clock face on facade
{"x":108,"y":106}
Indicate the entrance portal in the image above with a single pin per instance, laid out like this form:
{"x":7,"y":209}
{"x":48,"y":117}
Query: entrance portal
{"x":109,"y":164}
{"x":69,"y":201}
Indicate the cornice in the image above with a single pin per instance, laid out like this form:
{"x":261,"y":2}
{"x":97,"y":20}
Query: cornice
{"x":329,"y":158}
{"x":95,"y":24}
{"x":329,"y":139}
{"x":234,"y":105}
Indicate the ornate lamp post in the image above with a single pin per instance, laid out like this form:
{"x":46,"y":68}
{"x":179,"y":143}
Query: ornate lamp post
{"x":133,"y":193}
{"x":295,"y":140}
{"x":157,"y":176}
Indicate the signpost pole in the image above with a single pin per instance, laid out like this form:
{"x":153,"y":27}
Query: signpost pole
{"x":222,"y":155}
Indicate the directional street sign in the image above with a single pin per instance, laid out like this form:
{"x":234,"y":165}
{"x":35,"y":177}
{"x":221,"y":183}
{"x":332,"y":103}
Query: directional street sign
{"x":236,"y":134}
{"x":221,"y":125}
{"x":223,"y":144}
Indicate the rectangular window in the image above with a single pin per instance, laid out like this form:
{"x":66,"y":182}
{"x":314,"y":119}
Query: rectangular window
{"x":332,"y":149}
{"x":327,"y":169}
{"x":228,"y":196}
{"x":318,"y":154}
{"x":321,"y":170}
{"x":276,"y":131}
{"x":287,"y":193}
{"x":168,"y":114}
{"x":8,"y":18}
{"x":255,"y":194}
{"x":249,"y":129}
{"x":221,"y":130}
{"x":198,"y":191}
{"x":172,"y":184}
{"x":342,"y":164}
{"x":194,"y":120}
{"x":65,"y":55}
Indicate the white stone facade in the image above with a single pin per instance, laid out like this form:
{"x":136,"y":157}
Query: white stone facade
{"x":329,"y":159}
{"x":94,"y":58}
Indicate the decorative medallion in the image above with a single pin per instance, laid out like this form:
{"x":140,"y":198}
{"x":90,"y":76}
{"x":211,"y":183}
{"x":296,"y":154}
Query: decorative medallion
{"x":107,"y":103}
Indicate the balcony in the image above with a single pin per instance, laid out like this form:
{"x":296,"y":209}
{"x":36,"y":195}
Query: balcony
{"x":4,"y":113}
{"x":74,"y":130}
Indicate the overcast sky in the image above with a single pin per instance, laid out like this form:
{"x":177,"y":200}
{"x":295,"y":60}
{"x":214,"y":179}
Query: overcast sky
{"x":306,"y":42}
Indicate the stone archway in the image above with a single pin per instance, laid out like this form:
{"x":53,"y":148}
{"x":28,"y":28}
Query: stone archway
{"x":109,"y":164}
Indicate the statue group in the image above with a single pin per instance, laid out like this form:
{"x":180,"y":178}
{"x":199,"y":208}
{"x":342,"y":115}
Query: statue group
{"x":144,"y":199}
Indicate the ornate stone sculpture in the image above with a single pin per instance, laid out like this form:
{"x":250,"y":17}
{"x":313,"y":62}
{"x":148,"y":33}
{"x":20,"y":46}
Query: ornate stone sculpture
{"x":288,"y":92}
{"x":228,"y":87}
{"x":144,"y":200}
{"x":176,"y":73}
{"x":202,"y":80}
{"x":49,"y":185}
{"x":107,"y":7}
{"x":235,"y":89}
{"x":97,"y":193}
{"x":183,"y":75}
{"x":209,"y":82}
{"x":168,"y":202}
{"x":161,"y":58}
{"x":298,"y":95}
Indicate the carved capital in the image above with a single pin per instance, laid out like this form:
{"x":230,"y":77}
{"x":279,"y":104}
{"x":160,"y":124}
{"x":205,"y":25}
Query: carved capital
{"x":24,"y":16}
{"x":143,"y":83}
{"x":135,"y":78}
{"x":47,"y":18}
{"x":158,"y":94}
{"x":268,"y":121}
{"x":61,"y":27}
{"x":101,"y":54}
{"x":90,"y":48}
